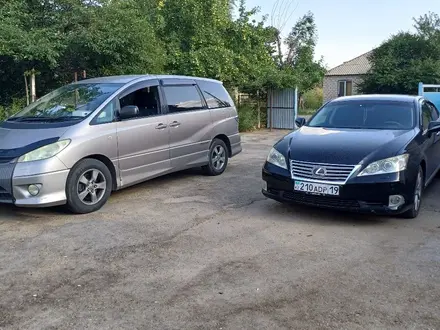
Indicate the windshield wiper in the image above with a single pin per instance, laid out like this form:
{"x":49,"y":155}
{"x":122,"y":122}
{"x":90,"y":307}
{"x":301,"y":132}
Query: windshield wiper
{"x":28,"y":119}
{"x":65,"y":118}
{"x":44,"y":119}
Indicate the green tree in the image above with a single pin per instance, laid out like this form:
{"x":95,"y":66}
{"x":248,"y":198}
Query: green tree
{"x":219,"y":39}
{"x":405,"y":59}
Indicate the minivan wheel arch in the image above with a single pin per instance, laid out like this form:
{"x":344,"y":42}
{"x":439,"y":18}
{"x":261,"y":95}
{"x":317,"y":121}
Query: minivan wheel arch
{"x":225,"y":139}
{"x":109,"y":165}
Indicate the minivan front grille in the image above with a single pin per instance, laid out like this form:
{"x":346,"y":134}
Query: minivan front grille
{"x":4,"y":160}
{"x":5,"y":196}
{"x":320,"y":171}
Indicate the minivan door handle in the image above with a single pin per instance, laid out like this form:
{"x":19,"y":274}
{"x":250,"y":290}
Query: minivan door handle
{"x":175,"y":124}
{"x":161,"y":126}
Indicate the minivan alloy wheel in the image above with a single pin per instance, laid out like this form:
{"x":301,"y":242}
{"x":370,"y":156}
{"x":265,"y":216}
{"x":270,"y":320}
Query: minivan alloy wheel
{"x":91,"y":187}
{"x":218,"y":158}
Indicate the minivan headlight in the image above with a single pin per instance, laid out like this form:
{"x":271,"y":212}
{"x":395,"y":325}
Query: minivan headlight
{"x":44,"y":152}
{"x":276,"y":158}
{"x":385,"y":166}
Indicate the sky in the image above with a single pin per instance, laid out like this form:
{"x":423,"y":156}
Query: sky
{"x":348,"y":28}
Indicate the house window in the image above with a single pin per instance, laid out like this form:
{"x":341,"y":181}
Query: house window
{"x":345,"y":88}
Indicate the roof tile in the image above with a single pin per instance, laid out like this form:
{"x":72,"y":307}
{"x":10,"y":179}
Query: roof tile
{"x":356,"y":66}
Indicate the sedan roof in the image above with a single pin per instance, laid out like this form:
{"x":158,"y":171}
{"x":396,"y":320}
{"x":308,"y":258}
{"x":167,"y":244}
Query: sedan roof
{"x":378,"y":97}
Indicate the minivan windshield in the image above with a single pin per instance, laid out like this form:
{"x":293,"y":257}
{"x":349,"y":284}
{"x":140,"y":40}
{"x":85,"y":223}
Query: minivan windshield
{"x":366,"y":114}
{"x":71,"y":102}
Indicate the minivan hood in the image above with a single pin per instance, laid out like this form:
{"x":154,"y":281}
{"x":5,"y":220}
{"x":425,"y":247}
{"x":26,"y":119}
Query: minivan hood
{"x":18,"y":138}
{"x":345,"y":146}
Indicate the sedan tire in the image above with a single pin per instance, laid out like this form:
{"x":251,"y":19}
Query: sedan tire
{"x":417,"y":196}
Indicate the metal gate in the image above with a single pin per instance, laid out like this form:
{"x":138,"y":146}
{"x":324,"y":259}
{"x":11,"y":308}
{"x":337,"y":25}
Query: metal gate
{"x":282,"y":108}
{"x":431,"y":93}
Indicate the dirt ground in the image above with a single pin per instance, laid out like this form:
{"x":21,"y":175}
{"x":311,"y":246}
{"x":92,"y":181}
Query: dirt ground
{"x":193,"y":252}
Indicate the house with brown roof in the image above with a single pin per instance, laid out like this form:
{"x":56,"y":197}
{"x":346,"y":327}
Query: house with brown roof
{"x":343,"y":79}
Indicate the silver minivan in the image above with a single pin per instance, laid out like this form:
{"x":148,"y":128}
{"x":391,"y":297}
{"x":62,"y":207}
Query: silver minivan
{"x":79,"y":143}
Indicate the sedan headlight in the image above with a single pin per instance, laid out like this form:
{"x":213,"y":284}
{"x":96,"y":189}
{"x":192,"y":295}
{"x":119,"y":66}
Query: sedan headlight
{"x":276,"y":158}
{"x":385,"y":166}
{"x":44,"y":152}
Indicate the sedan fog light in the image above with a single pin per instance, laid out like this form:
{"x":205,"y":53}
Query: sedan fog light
{"x":395,"y":201}
{"x":34,"y":189}
{"x":264,"y":185}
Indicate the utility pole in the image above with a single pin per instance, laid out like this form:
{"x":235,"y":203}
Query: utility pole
{"x":27,"y":88}
{"x":33,"y":87}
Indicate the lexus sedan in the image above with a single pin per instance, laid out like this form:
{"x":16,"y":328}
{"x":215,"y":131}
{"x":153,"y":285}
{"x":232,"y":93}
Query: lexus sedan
{"x":370,"y":153}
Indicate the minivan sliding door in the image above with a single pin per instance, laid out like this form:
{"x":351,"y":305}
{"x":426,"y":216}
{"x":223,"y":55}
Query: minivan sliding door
{"x":143,"y":141}
{"x":190,"y":123}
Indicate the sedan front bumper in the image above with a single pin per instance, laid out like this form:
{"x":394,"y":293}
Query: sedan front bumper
{"x":365,"y":197}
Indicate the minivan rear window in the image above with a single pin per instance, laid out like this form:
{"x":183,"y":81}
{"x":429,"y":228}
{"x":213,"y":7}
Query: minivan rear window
{"x":183,"y":98}
{"x":215,"y":94}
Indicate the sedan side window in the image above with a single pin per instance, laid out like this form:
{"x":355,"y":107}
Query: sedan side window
{"x":426,"y":115}
{"x":434,"y":112}
{"x":146,"y":99}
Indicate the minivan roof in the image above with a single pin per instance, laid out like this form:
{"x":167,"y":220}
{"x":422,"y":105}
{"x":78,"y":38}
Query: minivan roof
{"x":129,"y":78}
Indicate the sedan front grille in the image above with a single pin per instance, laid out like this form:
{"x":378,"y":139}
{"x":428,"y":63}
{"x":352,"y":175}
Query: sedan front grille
{"x":318,"y":171}
{"x":321,"y":201}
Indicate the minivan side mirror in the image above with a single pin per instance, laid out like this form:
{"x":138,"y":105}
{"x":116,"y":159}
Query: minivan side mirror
{"x":300,"y":121}
{"x":434,"y":127}
{"x":129,"y":111}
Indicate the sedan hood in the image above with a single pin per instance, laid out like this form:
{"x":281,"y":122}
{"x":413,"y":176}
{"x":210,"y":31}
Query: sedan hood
{"x":344,"y":146}
{"x":16,"y":142}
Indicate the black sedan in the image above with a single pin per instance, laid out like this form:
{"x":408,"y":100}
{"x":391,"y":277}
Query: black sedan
{"x":370,"y":153}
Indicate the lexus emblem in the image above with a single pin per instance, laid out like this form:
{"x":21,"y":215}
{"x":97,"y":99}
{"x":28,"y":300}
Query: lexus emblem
{"x":320,"y":171}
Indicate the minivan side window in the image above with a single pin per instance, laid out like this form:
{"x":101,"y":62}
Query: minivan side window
{"x":146,"y":99}
{"x":183,"y":98}
{"x":215,"y":94}
{"x":107,"y":115}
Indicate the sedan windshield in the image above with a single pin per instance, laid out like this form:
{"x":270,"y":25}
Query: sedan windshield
{"x":71,"y":102}
{"x":374,"y":114}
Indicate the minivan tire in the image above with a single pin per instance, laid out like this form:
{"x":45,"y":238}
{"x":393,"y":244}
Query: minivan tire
{"x":218,"y":158}
{"x":88,"y":186}
{"x":418,"y":190}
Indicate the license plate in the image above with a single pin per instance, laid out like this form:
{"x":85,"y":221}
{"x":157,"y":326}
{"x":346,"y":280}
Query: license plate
{"x":316,"y":188}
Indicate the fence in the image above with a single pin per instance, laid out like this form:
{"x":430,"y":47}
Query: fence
{"x":282,"y":108}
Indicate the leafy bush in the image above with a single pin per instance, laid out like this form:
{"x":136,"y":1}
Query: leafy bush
{"x":14,"y":107}
{"x":248,"y":117}
{"x":313,"y":98}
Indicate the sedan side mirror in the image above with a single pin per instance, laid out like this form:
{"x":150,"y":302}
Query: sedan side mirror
{"x":129,"y":111}
{"x":434,"y":127}
{"x":300,"y":121}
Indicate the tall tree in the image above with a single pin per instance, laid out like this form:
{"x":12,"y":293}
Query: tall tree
{"x":405,"y":59}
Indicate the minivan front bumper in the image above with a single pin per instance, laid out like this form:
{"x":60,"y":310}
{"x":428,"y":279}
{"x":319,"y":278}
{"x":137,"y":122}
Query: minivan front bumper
{"x":52,"y":189}
{"x":49,"y":176}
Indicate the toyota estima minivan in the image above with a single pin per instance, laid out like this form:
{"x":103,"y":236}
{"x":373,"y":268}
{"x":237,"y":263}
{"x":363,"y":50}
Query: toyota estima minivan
{"x":80,"y":142}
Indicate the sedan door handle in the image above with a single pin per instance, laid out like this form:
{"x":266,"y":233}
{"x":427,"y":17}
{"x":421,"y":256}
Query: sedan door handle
{"x":175,"y":124}
{"x":437,"y":134}
{"x":161,"y":126}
